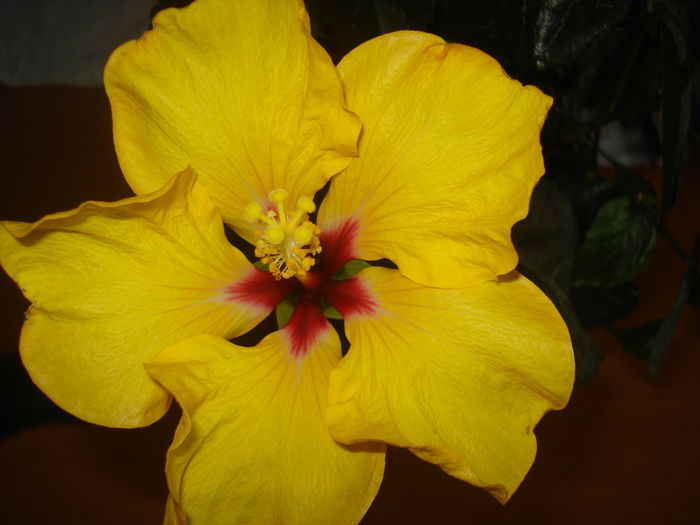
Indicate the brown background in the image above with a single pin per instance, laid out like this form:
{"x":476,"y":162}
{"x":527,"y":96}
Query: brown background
{"x":625,"y":451}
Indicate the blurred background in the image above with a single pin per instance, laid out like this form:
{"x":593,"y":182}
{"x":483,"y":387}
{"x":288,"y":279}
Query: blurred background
{"x":611,"y":238}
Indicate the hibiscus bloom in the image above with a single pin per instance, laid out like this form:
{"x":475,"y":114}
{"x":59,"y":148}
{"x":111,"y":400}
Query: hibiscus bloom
{"x":433,"y":152}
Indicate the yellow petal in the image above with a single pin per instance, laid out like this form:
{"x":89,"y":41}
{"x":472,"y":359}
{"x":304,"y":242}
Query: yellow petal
{"x":240,"y":91}
{"x":252,"y":445}
{"x":112,"y":284}
{"x":460,"y":377}
{"x":449,"y":155}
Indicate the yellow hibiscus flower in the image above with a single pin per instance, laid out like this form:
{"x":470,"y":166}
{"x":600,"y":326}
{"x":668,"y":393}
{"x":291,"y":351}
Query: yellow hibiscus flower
{"x":435,"y":152}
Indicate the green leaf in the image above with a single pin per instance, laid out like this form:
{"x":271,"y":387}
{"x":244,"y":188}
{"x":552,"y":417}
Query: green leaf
{"x":632,"y":183}
{"x":694,"y":299}
{"x":285,"y":309}
{"x":329,"y":311}
{"x":597,"y":306}
{"x":659,"y":344}
{"x":261,"y":265}
{"x":546,"y":239}
{"x":677,"y":95}
{"x":619,"y":76}
{"x":674,"y":18}
{"x":564,"y":28}
{"x":651,"y":340}
{"x":636,"y":340}
{"x":618,"y":244}
{"x":351,"y":268}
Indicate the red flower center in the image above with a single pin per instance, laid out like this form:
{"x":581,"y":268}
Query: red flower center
{"x":307,"y":323}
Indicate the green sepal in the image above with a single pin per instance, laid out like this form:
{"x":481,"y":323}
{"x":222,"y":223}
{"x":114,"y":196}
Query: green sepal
{"x":285,"y":309}
{"x":329,"y":311}
{"x":352,"y":267}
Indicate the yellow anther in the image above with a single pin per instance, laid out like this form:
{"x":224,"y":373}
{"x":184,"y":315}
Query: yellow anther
{"x":306,"y":205}
{"x":278,"y":195}
{"x":274,"y":234}
{"x":252,"y":211}
{"x":285,"y":242}
{"x":303,"y":234}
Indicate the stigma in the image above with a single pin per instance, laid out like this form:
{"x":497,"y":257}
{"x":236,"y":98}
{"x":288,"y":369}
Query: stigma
{"x":287,"y":241}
